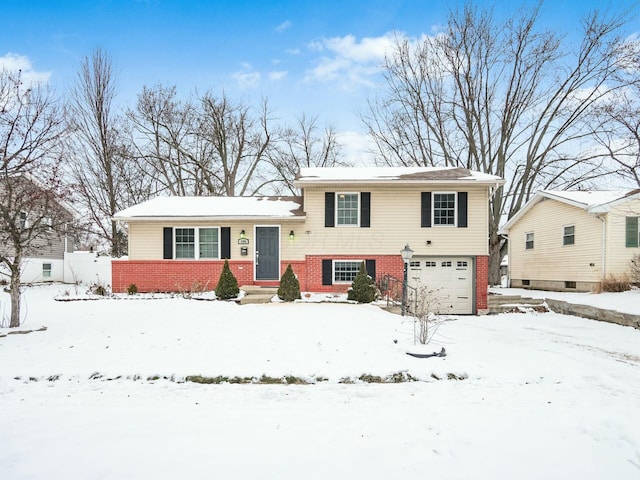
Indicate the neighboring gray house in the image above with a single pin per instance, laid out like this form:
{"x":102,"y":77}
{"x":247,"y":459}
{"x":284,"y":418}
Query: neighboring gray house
{"x":44,"y":261}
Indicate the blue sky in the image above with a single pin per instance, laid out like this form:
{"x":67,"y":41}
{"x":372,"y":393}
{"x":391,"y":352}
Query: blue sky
{"x":316,"y":57}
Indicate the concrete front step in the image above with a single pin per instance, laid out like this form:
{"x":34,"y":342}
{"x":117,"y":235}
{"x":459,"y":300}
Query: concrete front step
{"x":256,"y":298}
{"x":257,"y":294}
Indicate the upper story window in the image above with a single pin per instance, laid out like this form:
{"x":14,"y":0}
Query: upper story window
{"x":347,"y":208}
{"x":569,"y":235}
{"x":23,"y":220}
{"x":207,"y":240}
{"x":528,"y":241}
{"x":444,"y":209}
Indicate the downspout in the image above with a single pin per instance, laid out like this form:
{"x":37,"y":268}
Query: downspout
{"x":604,"y":246}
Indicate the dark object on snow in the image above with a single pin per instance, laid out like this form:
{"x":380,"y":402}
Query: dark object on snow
{"x":441,"y":353}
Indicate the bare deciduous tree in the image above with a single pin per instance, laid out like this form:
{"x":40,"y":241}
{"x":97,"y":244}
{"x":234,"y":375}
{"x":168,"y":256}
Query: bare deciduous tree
{"x":31,"y":152}
{"x":106,"y":177}
{"x":303,"y":145}
{"x":504,"y":98}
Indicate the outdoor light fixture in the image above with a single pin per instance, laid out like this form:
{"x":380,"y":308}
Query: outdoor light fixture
{"x":242,"y":234}
{"x":292,"y":235}
{"x":406,"y":253}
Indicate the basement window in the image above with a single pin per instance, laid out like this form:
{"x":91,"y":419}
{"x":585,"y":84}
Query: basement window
{"x":526,"y":283}
{"x":569,"y":284}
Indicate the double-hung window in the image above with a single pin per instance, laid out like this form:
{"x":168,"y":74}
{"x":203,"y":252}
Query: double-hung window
{"x":205,"y":239}
{"x":344,"y":271}
{"x":569,"y":235}
{"x":347,"y":209}
{"x":46,"y":270}
{"x":444,"y":209}
{"x":528,"y":241}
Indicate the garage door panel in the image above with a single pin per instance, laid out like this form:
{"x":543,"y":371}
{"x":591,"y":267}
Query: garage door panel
{"x":447,"y":280}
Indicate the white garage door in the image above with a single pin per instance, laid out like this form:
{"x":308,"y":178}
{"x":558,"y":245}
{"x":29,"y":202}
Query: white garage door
{"x":445,"y":283}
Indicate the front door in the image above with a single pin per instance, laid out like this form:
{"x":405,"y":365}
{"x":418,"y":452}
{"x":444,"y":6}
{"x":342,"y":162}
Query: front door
{"x":267,"y":255}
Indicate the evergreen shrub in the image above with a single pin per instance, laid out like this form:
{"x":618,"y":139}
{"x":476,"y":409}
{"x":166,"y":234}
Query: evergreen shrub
{"x":363,"y":289}
{"x":289,"y":289}
{"x":227,"y":284}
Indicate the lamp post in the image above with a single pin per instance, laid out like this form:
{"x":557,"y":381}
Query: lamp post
{"x":406,"y":253}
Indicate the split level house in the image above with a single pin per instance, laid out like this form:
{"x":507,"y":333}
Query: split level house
{"x":344,"y":216}
{"x":571,"y":240}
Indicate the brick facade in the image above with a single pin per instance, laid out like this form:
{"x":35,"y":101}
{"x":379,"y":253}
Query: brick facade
{"x":482,"y":284}
{"x":186,"y":275}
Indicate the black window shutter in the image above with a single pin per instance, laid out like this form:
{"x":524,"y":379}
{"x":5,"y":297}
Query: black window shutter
{"x":327,"y":272}
{"x":225,"y":242}
{"x":631,"y":228}
{"x":425,"y":209}
{"x":371,"y":268}
{"x":167,"y":243}
{"x":365,"y":209}
{"x":462,"y":209}
{"x":329,"y":209}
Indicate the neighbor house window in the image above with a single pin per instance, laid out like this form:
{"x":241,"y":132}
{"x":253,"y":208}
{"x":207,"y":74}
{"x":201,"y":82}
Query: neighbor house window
{"x":444,"y":209}
{"x":48,"y":222}
{"x":528,"y":242}
{"x":23,"y":220}
{"x":347,"y":209}
{"x":632,"y":231}
{"x":46,"y":270}
{"x":344,"y":271}
{"x":569,"y":235}
{"x":206,"y":239}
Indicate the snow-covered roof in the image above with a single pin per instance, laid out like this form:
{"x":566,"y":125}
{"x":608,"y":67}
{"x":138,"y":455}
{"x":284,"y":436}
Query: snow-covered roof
{"x":373,"y":175}
{"x":207,"y":208}
{"x":592,"y":201}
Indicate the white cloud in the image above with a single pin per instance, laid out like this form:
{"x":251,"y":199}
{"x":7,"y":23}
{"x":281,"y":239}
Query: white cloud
{"x":13,"y":62}
{"x":293,"y":51}
{"x":246,"y":77}
{"x":283,"y":26}
{"x":351,"y":61}
{"x":275,"y":76}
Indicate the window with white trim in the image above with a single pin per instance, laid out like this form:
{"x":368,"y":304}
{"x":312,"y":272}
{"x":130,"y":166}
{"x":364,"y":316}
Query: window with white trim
{"x":569,"y":235}
{"x":429,"y":263}
{"x":23,"y":220}
{"x":207,"y":240}
{"x":344,"y":271}
{"x":347,"y":209}
{"x":528,"y":241}
{"x":446,"y":263}
{"x":444,"y":208}
{"x":46,"y":270}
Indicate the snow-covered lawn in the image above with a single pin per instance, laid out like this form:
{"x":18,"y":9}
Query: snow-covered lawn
{"x":526,"y":396}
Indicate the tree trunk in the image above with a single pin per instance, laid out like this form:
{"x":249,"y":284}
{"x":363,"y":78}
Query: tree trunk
{"x":494,"y":259}
{"x":14,"y":290}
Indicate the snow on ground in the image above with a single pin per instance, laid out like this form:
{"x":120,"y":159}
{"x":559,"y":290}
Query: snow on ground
{"x":538,"y":395}
{"x":624,"y":302}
